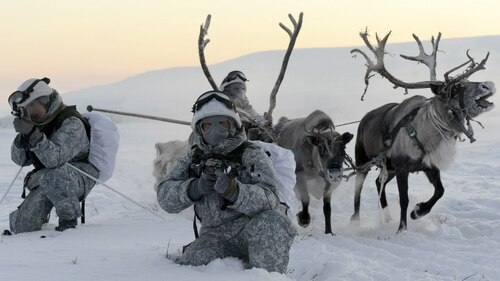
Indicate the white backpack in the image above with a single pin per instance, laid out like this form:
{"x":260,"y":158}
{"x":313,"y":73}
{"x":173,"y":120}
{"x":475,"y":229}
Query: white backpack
{"x":284,"y":165}
{"x":104,"y":142}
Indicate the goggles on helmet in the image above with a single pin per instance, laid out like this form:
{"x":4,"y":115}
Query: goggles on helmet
{"x":208,"y":96}
{"x":20,"y":96}
{"x":233,"y":75}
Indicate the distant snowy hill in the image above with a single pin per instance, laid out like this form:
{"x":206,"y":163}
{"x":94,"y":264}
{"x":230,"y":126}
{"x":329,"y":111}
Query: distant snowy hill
{"x":329,"y":79}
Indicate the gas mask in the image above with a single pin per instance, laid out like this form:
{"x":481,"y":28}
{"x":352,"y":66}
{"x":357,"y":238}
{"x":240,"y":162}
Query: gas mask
{"x":215,"y":129}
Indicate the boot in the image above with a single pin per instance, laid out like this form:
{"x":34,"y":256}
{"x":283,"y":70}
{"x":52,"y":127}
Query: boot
{"x":65,"y":224}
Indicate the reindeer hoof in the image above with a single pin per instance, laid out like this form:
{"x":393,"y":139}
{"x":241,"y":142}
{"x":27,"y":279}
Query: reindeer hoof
{"x":418,"y":212}
{"x":402,"y":228}
{"x":387,"y":215}
{"x":355,"y":217}
{"x":304,"y":219}
{"x":330,"y":232}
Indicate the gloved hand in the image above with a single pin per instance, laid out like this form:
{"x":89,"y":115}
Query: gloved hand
{"x":35,"y":137}
{"x":226,"y":186}
{"x":22,"y":126}
{"x":201,"y":186}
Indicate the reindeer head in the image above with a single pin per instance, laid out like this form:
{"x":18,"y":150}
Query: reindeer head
{"x":467,"y":98}
{"x":330,"y":149}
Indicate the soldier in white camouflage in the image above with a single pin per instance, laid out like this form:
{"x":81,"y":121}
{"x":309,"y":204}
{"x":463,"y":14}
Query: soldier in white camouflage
{"x":234,"y":190}
{"x":50,"y":134}
{"x":256,"y":125}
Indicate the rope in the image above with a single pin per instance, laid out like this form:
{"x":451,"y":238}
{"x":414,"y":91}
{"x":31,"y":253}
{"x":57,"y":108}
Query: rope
{"x":348,"y":123}
{"x":114,"y":190}
{"x":11,"y":184}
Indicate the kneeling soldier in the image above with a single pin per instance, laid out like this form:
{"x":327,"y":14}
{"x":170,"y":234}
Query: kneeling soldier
{"x":233,"y":188}
{"x":50,"y":134}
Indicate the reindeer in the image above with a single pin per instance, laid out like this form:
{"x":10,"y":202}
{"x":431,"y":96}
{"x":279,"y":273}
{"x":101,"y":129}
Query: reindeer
{"x":319,"y":155}
{"x":167,"y":154}
{"x":419,"y":134}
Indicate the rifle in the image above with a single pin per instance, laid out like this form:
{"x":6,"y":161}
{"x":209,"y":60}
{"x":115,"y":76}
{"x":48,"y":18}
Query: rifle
{"x":215,"y":166}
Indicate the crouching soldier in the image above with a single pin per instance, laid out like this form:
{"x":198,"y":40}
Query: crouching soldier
{"x":233,"y":187}
{"x":50,"y":134}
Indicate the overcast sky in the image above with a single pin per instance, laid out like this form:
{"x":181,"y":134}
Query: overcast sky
{"x":85,"y":43}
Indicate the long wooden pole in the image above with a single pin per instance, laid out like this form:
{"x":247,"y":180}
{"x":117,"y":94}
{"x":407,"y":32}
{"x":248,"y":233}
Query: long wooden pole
{"x":90,"y":108}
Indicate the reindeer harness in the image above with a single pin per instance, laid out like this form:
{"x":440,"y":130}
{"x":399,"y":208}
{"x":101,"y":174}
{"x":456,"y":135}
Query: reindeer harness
{"x":389,"y":135}
{"x":453,"y":112}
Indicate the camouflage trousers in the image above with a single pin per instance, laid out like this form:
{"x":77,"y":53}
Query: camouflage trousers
{"x":264,"y":242}
{"x":61,"y":188}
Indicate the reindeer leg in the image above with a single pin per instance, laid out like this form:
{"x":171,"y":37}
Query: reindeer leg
{"x":327,"y":209}
{"x":423,"y":208}
{"x":402,"y":178}
{"x":303,"y":216}
{"x":358,"y":186}
{"x":381,"y":193}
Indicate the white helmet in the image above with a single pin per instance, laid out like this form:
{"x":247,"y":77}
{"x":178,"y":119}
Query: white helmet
{"x":29,"y":91}
{"x":234,"y":76}
{"x":214,"y":103}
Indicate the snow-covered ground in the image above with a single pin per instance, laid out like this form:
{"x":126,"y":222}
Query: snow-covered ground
{"x":460,"y":238}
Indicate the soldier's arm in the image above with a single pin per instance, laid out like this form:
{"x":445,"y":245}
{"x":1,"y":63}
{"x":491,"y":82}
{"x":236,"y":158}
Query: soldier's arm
{"x":172,"y":192}
{"x":259,"y":191}
{"x":19,"y":151}
{"x":65,"y":144}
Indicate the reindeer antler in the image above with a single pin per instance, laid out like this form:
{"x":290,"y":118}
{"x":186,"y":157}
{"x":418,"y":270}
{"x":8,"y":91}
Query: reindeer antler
{"x":293,"y":37}
{"x":423,"y":57}
{"x":379,"y":66}
{"x":202,"y":43}
{"x":471,"y":69}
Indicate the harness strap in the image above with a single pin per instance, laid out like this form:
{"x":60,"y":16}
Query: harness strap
{"x":460,"y":125}
{"x":389,"y":136}
{"x":469,"y":132}
{"x":82,"y":219}
{"x":195,"y":227}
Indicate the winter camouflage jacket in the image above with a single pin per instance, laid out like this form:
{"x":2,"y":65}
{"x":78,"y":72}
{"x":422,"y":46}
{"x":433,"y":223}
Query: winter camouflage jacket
{"x":258,"y":188}
{"x":69,"y":143}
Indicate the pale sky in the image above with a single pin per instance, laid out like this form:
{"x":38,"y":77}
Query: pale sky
{"x":79,"y":44}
